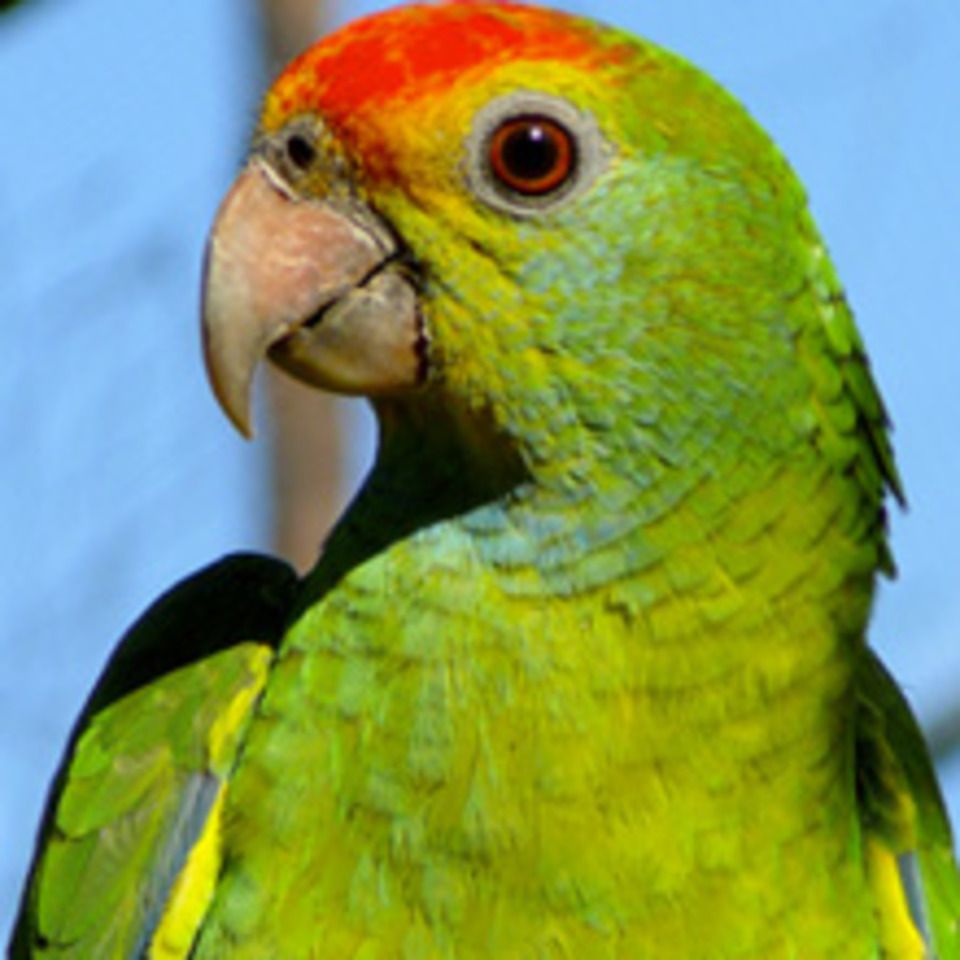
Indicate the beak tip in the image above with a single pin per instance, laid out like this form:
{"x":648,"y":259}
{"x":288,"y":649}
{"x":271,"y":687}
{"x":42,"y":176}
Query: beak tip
{"x":231,"y":388}
{"x":235,"y":403}
{"x":243,"y":426}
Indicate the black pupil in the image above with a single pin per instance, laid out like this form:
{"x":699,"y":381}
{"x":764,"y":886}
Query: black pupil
{"x":300,"y":151}
{"x":529,"y":152}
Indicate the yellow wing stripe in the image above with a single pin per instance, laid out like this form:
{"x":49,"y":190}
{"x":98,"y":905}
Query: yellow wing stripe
{"x":193,"y":890}
{"x":898,"y":933}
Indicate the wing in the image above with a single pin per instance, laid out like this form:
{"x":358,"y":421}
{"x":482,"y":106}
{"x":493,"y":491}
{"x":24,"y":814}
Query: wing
{"x":128,"y":852}
{"x":907,"y":841}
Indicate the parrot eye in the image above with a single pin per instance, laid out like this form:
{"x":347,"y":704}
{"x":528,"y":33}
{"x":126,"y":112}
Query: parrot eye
{"x":530,"y":152}
{"x":300,"y":151}
{"x":532,"y":155}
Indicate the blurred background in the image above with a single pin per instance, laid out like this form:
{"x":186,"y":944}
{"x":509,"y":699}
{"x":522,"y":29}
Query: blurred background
{"x":124,"y":124}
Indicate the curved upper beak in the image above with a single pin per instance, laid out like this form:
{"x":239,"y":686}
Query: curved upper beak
{"x":316,"y":284}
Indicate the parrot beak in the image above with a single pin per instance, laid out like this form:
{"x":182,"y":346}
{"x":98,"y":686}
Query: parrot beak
{"x":315,"y":284}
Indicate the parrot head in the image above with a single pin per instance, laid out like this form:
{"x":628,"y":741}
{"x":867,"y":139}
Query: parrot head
{"x":572,"y":239}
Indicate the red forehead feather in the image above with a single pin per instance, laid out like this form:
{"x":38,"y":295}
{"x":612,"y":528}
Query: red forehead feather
{"x":406,"y":52}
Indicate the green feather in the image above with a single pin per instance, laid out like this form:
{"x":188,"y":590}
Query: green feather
{"x":140,"y":775}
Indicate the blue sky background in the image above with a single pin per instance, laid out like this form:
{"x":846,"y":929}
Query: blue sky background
{"x":123,"y":124}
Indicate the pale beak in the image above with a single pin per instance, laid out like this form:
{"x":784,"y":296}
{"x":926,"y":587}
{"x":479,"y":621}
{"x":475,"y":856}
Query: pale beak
{"x":316,"y":284}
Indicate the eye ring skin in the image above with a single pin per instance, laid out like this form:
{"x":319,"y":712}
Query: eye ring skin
{"x":591,"y":150}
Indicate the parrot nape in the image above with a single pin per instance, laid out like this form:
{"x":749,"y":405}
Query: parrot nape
{"x":582,"y":671}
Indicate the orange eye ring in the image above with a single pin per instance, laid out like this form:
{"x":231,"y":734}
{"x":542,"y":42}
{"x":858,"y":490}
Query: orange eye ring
{"x":532,"y":155}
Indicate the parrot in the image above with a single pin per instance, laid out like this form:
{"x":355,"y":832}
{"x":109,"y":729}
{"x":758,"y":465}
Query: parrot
{"x":582,"y":671}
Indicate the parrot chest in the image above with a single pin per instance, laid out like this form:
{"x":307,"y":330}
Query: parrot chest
{"x":459,"y":774}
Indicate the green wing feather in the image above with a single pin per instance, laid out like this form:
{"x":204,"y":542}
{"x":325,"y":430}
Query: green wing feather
{"x":147,"y":760}
{"x":903,"y":812}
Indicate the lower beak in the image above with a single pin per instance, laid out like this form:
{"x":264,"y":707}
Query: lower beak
{"x":315,"y":284}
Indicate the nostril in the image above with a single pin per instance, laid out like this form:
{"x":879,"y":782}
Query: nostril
{"x":300,"y":151}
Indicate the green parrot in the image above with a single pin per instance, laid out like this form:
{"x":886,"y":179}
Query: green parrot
{"x":582,"y":671}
